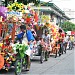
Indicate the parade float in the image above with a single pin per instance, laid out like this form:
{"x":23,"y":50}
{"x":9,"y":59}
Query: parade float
{"x":12,"y":54}
{"x":53,"y":31}
{"x":10,"y":20}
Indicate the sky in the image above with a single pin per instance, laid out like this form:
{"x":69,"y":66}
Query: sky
{"x":65,"y":5}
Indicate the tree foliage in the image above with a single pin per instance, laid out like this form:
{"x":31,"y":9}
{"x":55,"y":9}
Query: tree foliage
{"x":68,"y":26}
{"x":36,"y":2}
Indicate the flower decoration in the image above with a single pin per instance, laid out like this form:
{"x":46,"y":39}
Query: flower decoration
{"x":20,"y":48}
{"x":8,"y":55}
{"x":16,"y":6}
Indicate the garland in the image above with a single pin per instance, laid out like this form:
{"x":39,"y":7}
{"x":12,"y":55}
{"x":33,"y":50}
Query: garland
{"x":21,"y":49}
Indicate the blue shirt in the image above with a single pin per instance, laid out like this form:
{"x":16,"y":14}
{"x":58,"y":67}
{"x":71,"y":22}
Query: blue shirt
{"x":30,"y":35}
{"x":20,"y":35}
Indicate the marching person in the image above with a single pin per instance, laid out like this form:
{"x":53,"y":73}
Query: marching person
{"x":65,"y":41}
{"x":46,"y":38}
{"x":60,"y":42}
{"x":71,"y":41}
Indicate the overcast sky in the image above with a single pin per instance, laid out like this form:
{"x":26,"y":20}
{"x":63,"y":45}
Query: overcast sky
{"x":64,"y":4}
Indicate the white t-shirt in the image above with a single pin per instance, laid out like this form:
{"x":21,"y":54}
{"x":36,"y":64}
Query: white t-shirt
{"x":66,"y":39}
{"x":46,"y":38}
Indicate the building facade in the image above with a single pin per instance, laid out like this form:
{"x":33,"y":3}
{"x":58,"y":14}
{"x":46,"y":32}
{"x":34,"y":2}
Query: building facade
{"x":55,"y":13}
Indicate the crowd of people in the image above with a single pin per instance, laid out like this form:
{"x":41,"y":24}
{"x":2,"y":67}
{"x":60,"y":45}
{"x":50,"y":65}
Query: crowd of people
{"x":29,"y":35}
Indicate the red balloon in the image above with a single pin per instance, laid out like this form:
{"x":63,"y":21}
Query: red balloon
{"x":28,"y":20}
{"x":52,"y":29}
{"x":62,"y":34}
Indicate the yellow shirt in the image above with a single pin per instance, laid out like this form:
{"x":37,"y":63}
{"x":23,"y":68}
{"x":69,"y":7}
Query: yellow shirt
{"x":71,"y":38}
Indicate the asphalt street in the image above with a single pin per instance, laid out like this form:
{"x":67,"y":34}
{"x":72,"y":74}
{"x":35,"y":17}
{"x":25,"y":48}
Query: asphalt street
{"x":63,"y":65}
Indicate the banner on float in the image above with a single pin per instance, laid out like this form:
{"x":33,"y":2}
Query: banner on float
{"x":14,"y":13}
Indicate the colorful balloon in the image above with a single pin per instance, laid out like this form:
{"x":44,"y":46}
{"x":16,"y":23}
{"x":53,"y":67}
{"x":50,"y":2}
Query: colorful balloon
{"x":3,"y":12}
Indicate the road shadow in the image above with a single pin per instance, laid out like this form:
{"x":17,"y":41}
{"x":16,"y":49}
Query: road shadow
{"x":4,"y":72}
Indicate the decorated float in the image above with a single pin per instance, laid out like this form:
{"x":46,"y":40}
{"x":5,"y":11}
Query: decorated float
{"x":53,"y":32}
{"x":13,"y":54}
{"x":17,"y":14}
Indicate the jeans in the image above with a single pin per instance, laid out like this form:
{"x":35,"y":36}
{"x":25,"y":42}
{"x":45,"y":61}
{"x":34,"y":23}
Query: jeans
{"x":70,"y":45}
{"x":61,"y":48}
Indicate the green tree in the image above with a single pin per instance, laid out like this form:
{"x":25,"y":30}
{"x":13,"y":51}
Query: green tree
{"x":68,"y":26}
{"x":36,"y":2}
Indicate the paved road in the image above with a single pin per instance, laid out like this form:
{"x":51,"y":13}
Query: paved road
{"x":63,"y":65}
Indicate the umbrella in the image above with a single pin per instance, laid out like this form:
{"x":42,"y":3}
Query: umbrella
{"x":3,"y":12}
{"x":3,"y":15}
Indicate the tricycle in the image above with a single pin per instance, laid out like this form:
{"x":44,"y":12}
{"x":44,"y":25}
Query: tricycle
{"x":14,"y":56}
{"x":39,"y":50}
{"x":55,"y":49}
